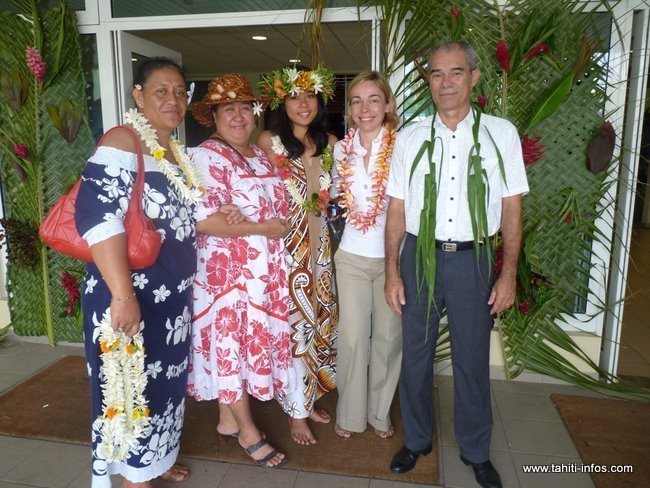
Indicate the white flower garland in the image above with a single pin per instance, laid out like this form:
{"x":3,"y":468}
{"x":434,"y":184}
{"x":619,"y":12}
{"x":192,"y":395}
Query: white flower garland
{"x":125,"y":415}
{"x":189,"y":191}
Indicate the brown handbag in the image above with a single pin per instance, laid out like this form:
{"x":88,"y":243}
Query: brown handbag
{"x":59,"y":231}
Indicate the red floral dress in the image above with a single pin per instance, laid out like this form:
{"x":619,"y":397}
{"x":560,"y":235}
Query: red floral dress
{"x":240,"y":331}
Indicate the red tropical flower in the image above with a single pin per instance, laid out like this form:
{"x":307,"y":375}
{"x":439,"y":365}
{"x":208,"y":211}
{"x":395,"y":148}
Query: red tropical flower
{"x":536,"y":49}
{"x":227,"y":396}
{"x":258,"y":339}
{"x":498,"y":260}
{"x":524,"y":308}
{"x":21,"y":151}
{"x":532,"y":150}
{"x":482,"y":101}
{"x":455,"y":12}
{"x":71,"y":285}
{"x":323,"y":199}
{"x":36,"y":64}
{"x":226,"y":322}
{"x":567,"y":219}
{"x":502,"y":54}
{"x":217,"y":269}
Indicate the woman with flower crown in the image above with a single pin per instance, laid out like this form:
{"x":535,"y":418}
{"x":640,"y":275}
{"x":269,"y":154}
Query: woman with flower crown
{"x":300,"y":146}
{"x":370,"y":335}
{"x":152,"y":305}
{"x":240,"y":334}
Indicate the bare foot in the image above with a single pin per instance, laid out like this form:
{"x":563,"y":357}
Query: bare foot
{"x":341,"y":432}
{"x":263,"y":453}
{"x":320,"y":416}
{"x":176,"y":474}
{"x":300,"y":432}
{"x":385,"y":434}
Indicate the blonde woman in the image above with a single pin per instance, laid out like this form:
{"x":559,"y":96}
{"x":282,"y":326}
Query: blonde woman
{"x":370,"y":337}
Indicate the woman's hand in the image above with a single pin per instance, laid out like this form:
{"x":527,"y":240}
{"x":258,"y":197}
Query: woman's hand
{"x":276,"y":228}
{"x":125,"y":314}
{"x":233,"y":214}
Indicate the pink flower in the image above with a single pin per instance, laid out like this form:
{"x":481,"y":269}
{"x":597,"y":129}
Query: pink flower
{"x":21,"y":151}
{"x":523,"y":308}
{"x":455,"y":12}
{"x":532,"y":150}
{"x":536,"y":49}
{"x":567,"y":219}
{"x":502,"y":54}
{"x":35,"y":64}
{"x":284,"y":172}
{"x":322,"y":199}
{"x":482,"y":101}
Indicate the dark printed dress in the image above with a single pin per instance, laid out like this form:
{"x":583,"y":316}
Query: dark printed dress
{"x":313,"y":310}
{"x":164,"y":292}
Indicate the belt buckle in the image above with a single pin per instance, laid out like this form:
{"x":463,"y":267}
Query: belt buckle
{"x":449,"y":246}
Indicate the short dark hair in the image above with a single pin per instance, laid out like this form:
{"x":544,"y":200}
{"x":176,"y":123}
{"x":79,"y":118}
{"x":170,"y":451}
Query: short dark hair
{"x":148,"y":66}
{"x":466,"y":47}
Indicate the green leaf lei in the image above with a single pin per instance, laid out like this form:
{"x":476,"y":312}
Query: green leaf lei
{"x":477,"y":196}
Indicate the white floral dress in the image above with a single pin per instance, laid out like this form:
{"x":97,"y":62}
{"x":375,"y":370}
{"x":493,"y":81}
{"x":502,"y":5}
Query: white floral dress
{"x":164,"y":293}
{"x":240,"y":334}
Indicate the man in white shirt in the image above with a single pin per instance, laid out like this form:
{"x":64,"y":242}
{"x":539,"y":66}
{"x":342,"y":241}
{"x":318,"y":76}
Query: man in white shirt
{"x":465,"y":285}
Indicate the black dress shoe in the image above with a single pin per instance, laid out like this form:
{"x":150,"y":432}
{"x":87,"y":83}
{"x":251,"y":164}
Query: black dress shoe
{"x":405,"y":459}
{"x":485,"y":474}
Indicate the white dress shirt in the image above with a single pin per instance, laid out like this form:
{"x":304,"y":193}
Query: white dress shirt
{"x":452,"y":209}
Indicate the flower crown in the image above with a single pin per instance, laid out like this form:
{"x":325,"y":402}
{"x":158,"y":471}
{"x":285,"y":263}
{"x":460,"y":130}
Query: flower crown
{"x":289,"y":81}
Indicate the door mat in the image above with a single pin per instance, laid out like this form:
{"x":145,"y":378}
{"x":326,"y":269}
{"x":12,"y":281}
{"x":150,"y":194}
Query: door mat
{"x":54,"y":405}
{"x":609,"y":433}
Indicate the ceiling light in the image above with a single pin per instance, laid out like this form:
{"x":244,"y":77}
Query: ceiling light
{"x":259,"y":38}
{"x":134,"y":60}
{"x":295,"y":60}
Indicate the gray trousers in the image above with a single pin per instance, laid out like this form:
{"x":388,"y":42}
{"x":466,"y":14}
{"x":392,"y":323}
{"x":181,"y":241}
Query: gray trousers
{"x":462,"y":289}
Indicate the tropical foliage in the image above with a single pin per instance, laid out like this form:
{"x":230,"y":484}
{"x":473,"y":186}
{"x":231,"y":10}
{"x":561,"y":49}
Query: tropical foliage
{"x":44,"y":139}
{"x":544,"y":67}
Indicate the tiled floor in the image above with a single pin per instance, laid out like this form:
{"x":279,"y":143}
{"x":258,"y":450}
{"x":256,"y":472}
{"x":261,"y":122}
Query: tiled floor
{"x":527,"y":430}
{"x":634,"y":359}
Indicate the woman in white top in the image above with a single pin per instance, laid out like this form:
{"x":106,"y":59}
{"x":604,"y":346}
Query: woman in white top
{"x":370,"y":337}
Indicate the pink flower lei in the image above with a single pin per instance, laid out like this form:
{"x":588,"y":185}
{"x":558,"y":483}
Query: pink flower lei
{"x":363,"y":221}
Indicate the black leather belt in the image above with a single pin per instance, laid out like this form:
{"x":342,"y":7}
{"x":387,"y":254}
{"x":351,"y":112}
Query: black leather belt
{"x":454,"y":246}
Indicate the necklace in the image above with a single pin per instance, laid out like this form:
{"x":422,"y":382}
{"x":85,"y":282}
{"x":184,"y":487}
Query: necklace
{"x":363,"y":221}
{"x":188,"y":187}
{"x":319,"y":201}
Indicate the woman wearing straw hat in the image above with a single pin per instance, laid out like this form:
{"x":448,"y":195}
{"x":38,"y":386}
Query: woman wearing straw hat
{"x":301,"y":149}
{"x":240,"y":333}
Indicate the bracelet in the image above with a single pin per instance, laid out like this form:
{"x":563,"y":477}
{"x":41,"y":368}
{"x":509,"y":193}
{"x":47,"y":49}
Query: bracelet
{"x":119,"y":299}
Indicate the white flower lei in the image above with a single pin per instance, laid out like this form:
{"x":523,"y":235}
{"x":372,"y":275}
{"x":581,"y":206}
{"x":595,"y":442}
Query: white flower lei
{"x":289,"y":183}
{"x":191,"y":191}
{"x":125,"y":415}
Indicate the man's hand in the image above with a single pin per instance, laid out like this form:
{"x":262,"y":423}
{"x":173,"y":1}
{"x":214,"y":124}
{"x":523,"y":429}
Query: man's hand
{"x":394,"y":291}
{"x":505,"y":287}
{"x":503,"y":294}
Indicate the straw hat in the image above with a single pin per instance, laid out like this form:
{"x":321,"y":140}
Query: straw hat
{"x":226,"y":88}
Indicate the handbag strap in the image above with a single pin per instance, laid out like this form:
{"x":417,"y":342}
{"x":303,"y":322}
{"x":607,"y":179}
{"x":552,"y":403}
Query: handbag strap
{"x":135,"y":202}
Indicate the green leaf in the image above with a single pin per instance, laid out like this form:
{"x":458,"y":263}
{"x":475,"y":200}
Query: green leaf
{"x":66,"y":119}
{"x":552,"y":101}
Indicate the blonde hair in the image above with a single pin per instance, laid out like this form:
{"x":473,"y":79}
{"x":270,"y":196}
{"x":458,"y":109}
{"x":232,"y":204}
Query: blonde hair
{"x":390,"y":117}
